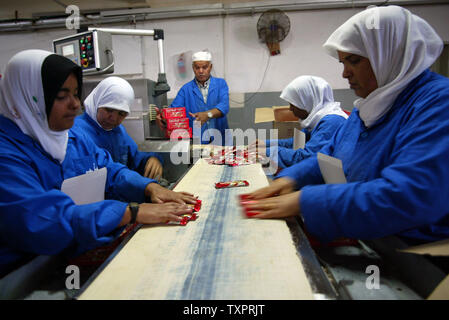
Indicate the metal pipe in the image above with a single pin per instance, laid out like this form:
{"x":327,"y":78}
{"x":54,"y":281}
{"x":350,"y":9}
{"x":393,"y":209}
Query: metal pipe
{"x":160,"y":46}
{"x":119,"y":31}
{"x":138,"y":32}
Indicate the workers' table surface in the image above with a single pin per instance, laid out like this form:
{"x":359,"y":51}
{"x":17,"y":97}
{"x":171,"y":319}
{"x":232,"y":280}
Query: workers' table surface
{"x":221,"y":255}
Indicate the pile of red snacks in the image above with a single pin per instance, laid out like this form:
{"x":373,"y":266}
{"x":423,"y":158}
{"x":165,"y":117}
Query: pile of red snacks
{"x":233,"y":156}
{"x":186,"y":218}
{"x":177,"y":123}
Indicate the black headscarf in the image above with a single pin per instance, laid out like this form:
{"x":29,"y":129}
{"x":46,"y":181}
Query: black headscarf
{"x":55,"y":70}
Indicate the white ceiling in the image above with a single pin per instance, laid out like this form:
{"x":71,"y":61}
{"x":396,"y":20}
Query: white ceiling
{"x":26,"y":9}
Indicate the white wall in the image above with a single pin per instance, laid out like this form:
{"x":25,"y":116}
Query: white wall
{"x":238,"y":56}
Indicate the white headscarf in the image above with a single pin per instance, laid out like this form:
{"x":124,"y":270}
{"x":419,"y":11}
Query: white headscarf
{"x":314,"y":95}
{"x":22,"y":101}
{"x":399,"y":46}
{"x":112,"y":92}
{"x":202,"y":56}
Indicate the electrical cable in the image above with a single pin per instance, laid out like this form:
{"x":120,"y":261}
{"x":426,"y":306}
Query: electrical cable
{"x":258,"y":90}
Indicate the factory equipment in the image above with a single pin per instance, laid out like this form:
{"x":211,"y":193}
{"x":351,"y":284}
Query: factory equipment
{"x":92,"y":50}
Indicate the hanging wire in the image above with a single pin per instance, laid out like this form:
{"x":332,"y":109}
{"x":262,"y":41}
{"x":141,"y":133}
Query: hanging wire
{"x":260,"y":86}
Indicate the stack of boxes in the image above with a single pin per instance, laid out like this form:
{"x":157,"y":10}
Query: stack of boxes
{"x":177,"y":123}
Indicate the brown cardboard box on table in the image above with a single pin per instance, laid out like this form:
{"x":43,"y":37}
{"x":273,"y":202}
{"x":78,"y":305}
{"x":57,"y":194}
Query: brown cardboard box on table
{"x":282,"y":118}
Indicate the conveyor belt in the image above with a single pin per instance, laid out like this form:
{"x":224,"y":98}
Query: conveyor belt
{"x":222,"y":255}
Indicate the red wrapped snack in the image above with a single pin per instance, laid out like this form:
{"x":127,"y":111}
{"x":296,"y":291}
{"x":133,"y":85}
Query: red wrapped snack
{"x":244,"y":200}
{"x":197,"y":206}
{"x":231,"y":184}
{"x":243,"y":197}
{"x":183,"y":222}
{"x":251,"y":213}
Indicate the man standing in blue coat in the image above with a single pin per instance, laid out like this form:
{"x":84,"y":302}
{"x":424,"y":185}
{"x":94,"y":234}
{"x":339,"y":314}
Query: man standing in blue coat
{"x":206,"y":99}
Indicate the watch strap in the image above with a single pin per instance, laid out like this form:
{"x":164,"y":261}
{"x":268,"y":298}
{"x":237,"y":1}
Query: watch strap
{"x":134,"y":207}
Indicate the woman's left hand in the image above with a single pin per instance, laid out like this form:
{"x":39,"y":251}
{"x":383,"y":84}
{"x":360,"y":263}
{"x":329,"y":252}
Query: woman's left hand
{"x":153,"y":168}
{"x":159,"y":194}
{"x":275,"y":207}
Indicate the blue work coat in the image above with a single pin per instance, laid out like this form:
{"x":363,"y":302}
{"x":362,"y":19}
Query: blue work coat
{"x":190,"y":97}
{"x":36,"y":217}
{"x":316,"y":139}
{"x":397,"y":171}
{"x":117,"y":142}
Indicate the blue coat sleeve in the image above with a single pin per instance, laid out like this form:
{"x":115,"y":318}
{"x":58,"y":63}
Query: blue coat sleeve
{"x":38,"y":220}
{"x":121,"y":184}
{"x":320,"y":135}
{"x":286,"y":143}
{"x":137,"y":159}
{"x":410,"y":192}
{"x":223,"y":98}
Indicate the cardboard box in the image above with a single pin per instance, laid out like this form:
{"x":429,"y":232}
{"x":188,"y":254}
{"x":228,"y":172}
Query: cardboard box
{"x":169,"y":113}
{"x":179,"y":134}
{"x":282,"y":119}
{"x":437,"y":248}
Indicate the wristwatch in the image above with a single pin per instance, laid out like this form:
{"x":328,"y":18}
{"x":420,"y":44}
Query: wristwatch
{"x":134,"y":207}
{"x":210,"y":115}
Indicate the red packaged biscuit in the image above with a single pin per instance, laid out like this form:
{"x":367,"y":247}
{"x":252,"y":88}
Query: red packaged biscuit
{"x":193,"y":217}
{"x":197,"y":206}
{"x":244,"y":200}
{"x":183,"y":222}
{"x":231,"y":184}
{"x":251,"y":213}
{"x":243,"y":197}
{"x":170,"y":113}
{"x":177,"y":123}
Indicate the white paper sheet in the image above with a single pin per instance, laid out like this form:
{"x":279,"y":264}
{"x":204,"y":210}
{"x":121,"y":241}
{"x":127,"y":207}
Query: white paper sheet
{"x":86,"y":188}
{"x":331,"y":169}
{"x":299,"y":139}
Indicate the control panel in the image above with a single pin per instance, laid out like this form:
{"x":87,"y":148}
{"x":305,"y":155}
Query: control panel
{"x":91,"y":50}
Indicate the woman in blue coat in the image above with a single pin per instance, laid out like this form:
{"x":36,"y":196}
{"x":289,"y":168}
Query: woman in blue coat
{"x":106,"y":107}
{"x":394,"y":146}
{"x":39,"y":99}
{"x":312,"y":101}
{"x":206,"y":100}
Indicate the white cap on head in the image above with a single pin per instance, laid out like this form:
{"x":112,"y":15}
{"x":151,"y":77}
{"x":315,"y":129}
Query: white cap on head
{"x":202,"y":56}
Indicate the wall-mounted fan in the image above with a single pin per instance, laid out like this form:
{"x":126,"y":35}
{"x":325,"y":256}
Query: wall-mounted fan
{"x":272,"y":27}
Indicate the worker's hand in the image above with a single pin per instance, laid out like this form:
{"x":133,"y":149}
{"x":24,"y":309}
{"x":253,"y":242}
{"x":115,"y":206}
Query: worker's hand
{"x":160,"y":194}
{"x":279,"y":186}
{"x":200,"y":116}
{"x":150,"y":213}
{"x":275,"y":207}
{"x":153,"y":168}
{"x":159,"y":120}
